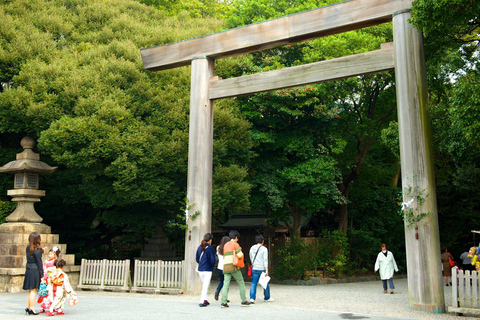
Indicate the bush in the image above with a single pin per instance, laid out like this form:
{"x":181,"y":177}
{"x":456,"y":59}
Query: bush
{"x":6,"y":208}
{"x":297,"y":259}
{"x":294,"y":260}
{"x":332,"y":253}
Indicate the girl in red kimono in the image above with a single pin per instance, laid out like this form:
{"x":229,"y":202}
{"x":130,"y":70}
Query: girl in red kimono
{"x":58,"y":287}
{"x":48,"y":269}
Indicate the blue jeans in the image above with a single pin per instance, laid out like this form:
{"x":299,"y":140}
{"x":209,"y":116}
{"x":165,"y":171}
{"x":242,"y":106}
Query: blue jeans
{"x":390,"y":283}
{"x":253,"y":288}
{"x":221,"y":277}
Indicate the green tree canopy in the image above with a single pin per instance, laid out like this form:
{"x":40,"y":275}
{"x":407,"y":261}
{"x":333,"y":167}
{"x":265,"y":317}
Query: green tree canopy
{"x":452,"y":43}
{"x":72,"y":77}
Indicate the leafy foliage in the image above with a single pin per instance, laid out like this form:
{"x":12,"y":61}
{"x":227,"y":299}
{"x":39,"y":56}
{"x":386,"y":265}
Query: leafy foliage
{"x":72,"y":77}
{"x":313,"y":140}
{"x":452,"y":41}
{"x":6,"y":208}
{"x":328,"y":253}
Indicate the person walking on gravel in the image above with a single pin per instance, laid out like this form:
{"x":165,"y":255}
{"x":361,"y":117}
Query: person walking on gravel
{"x":232,"y":251}
{"x":386,"y":264}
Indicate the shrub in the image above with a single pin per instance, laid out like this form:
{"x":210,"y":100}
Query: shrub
{"x":294,"y":260}
{"x":6,"y":208}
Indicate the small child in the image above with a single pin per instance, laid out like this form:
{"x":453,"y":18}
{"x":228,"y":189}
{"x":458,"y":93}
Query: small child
{"x":48,"y":268}
{"x":59,"y":286}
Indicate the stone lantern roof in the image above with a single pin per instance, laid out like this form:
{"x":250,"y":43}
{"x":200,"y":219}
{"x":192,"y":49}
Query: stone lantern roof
{"x":27,"y":161}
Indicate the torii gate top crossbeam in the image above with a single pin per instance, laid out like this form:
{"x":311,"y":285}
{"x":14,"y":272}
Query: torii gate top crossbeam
{"x":324,"y":21}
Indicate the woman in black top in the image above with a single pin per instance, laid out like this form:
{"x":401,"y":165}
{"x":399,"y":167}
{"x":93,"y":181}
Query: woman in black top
{"x":34,"y":270}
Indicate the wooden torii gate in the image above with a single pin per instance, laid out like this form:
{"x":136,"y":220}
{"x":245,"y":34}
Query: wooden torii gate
{"x":406,"y":56}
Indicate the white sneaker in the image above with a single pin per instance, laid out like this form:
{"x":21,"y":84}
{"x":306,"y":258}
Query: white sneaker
{"x":270,"y":300}
{"x":252,"y":301}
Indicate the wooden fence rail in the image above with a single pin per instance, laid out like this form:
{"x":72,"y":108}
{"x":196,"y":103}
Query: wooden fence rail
{"x":465,"y":292}
{"x":105,"y":275}
{"x":158,"y":276}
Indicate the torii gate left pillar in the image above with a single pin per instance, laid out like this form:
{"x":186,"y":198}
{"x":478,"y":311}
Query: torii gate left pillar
{"x":200,"y":164}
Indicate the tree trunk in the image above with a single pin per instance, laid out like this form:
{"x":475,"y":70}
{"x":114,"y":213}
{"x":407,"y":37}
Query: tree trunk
{"x":396,"y":175}
{"x":295,"y":226}
{"x":343,"y":212}
{"x":344,"y":186}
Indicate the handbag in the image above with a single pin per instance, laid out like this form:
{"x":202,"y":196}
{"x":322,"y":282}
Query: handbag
{"x":250,"y":269}
{"x":72,"y":302}
{"x":451,"y":262}
{"x":42,"y":289}
{"x":236,"y":261}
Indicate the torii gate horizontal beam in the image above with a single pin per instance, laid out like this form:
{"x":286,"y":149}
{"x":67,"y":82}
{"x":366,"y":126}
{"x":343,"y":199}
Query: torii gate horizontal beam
{"x":324,"y":21}
{"x":340,"y":68}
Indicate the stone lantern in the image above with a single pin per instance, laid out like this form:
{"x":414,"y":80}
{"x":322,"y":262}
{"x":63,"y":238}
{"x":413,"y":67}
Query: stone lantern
{"x":14,"y":233}
{"x":27,"y":169}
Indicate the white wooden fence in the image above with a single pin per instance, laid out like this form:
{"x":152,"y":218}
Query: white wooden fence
{"x":158,"y":276}
{"x":465,"y":292}
{"x":105,"y":274}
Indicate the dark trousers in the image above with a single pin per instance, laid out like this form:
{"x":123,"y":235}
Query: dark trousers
{"x":221,"y":277}
{"x":469,"y":266}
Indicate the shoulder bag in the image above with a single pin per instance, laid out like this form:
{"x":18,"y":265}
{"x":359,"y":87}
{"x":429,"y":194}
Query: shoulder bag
{"x":451,"y":262}
{"x":250,"y":269}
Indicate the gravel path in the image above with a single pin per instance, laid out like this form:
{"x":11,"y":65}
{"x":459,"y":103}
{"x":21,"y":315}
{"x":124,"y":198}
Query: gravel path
{"x":358,"y":300}
{"x":357,"y":297}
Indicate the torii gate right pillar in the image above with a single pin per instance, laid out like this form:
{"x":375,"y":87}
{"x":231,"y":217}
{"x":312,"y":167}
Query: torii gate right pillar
{"x":425,"y":286}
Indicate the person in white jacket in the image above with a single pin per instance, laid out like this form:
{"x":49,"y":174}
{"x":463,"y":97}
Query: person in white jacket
{"x":386,"y":264}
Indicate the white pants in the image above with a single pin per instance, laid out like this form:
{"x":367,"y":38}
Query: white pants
{"x":205,"y":276}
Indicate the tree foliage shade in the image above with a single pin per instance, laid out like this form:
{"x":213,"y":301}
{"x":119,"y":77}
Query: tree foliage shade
{"x":451,"y":31}
{"x":72,"y":77}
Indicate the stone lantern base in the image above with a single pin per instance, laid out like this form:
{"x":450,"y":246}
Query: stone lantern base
{"x":13,"y":246}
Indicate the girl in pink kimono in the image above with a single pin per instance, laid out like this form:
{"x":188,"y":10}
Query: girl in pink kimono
{"x":48,"y":268}
{"x":58,"y":287}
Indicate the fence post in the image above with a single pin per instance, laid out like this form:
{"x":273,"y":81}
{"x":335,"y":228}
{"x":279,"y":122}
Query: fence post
{"x":80,"y":280}
{"x":102,"y":273}
{"x":475,"y":284}
{"x":455,"y":287}
{"x":468,"y":289}
{"x":126,"y":274}
{"x":158,"y":273}
{"x":135,"y":271}
{"x":162,"y":273}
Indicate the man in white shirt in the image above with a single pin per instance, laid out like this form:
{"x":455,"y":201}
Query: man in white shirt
{"x":259,"y":259}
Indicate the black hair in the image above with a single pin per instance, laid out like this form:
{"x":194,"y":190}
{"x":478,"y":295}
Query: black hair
{"x":234,"y":234}
{"x":259,"y":238}
{"x":60,"y":263}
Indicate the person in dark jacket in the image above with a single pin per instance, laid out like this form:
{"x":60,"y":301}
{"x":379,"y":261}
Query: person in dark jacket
{"x":33,"y":271}
{"x":205,"y":258}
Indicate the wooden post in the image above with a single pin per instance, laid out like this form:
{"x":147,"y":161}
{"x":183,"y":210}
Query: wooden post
{"x":200,"y":159}
{"x":126,"y":275}
{"x":425,"y":286}
{"x":102,"y":274}
{"x":82,"y":272}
